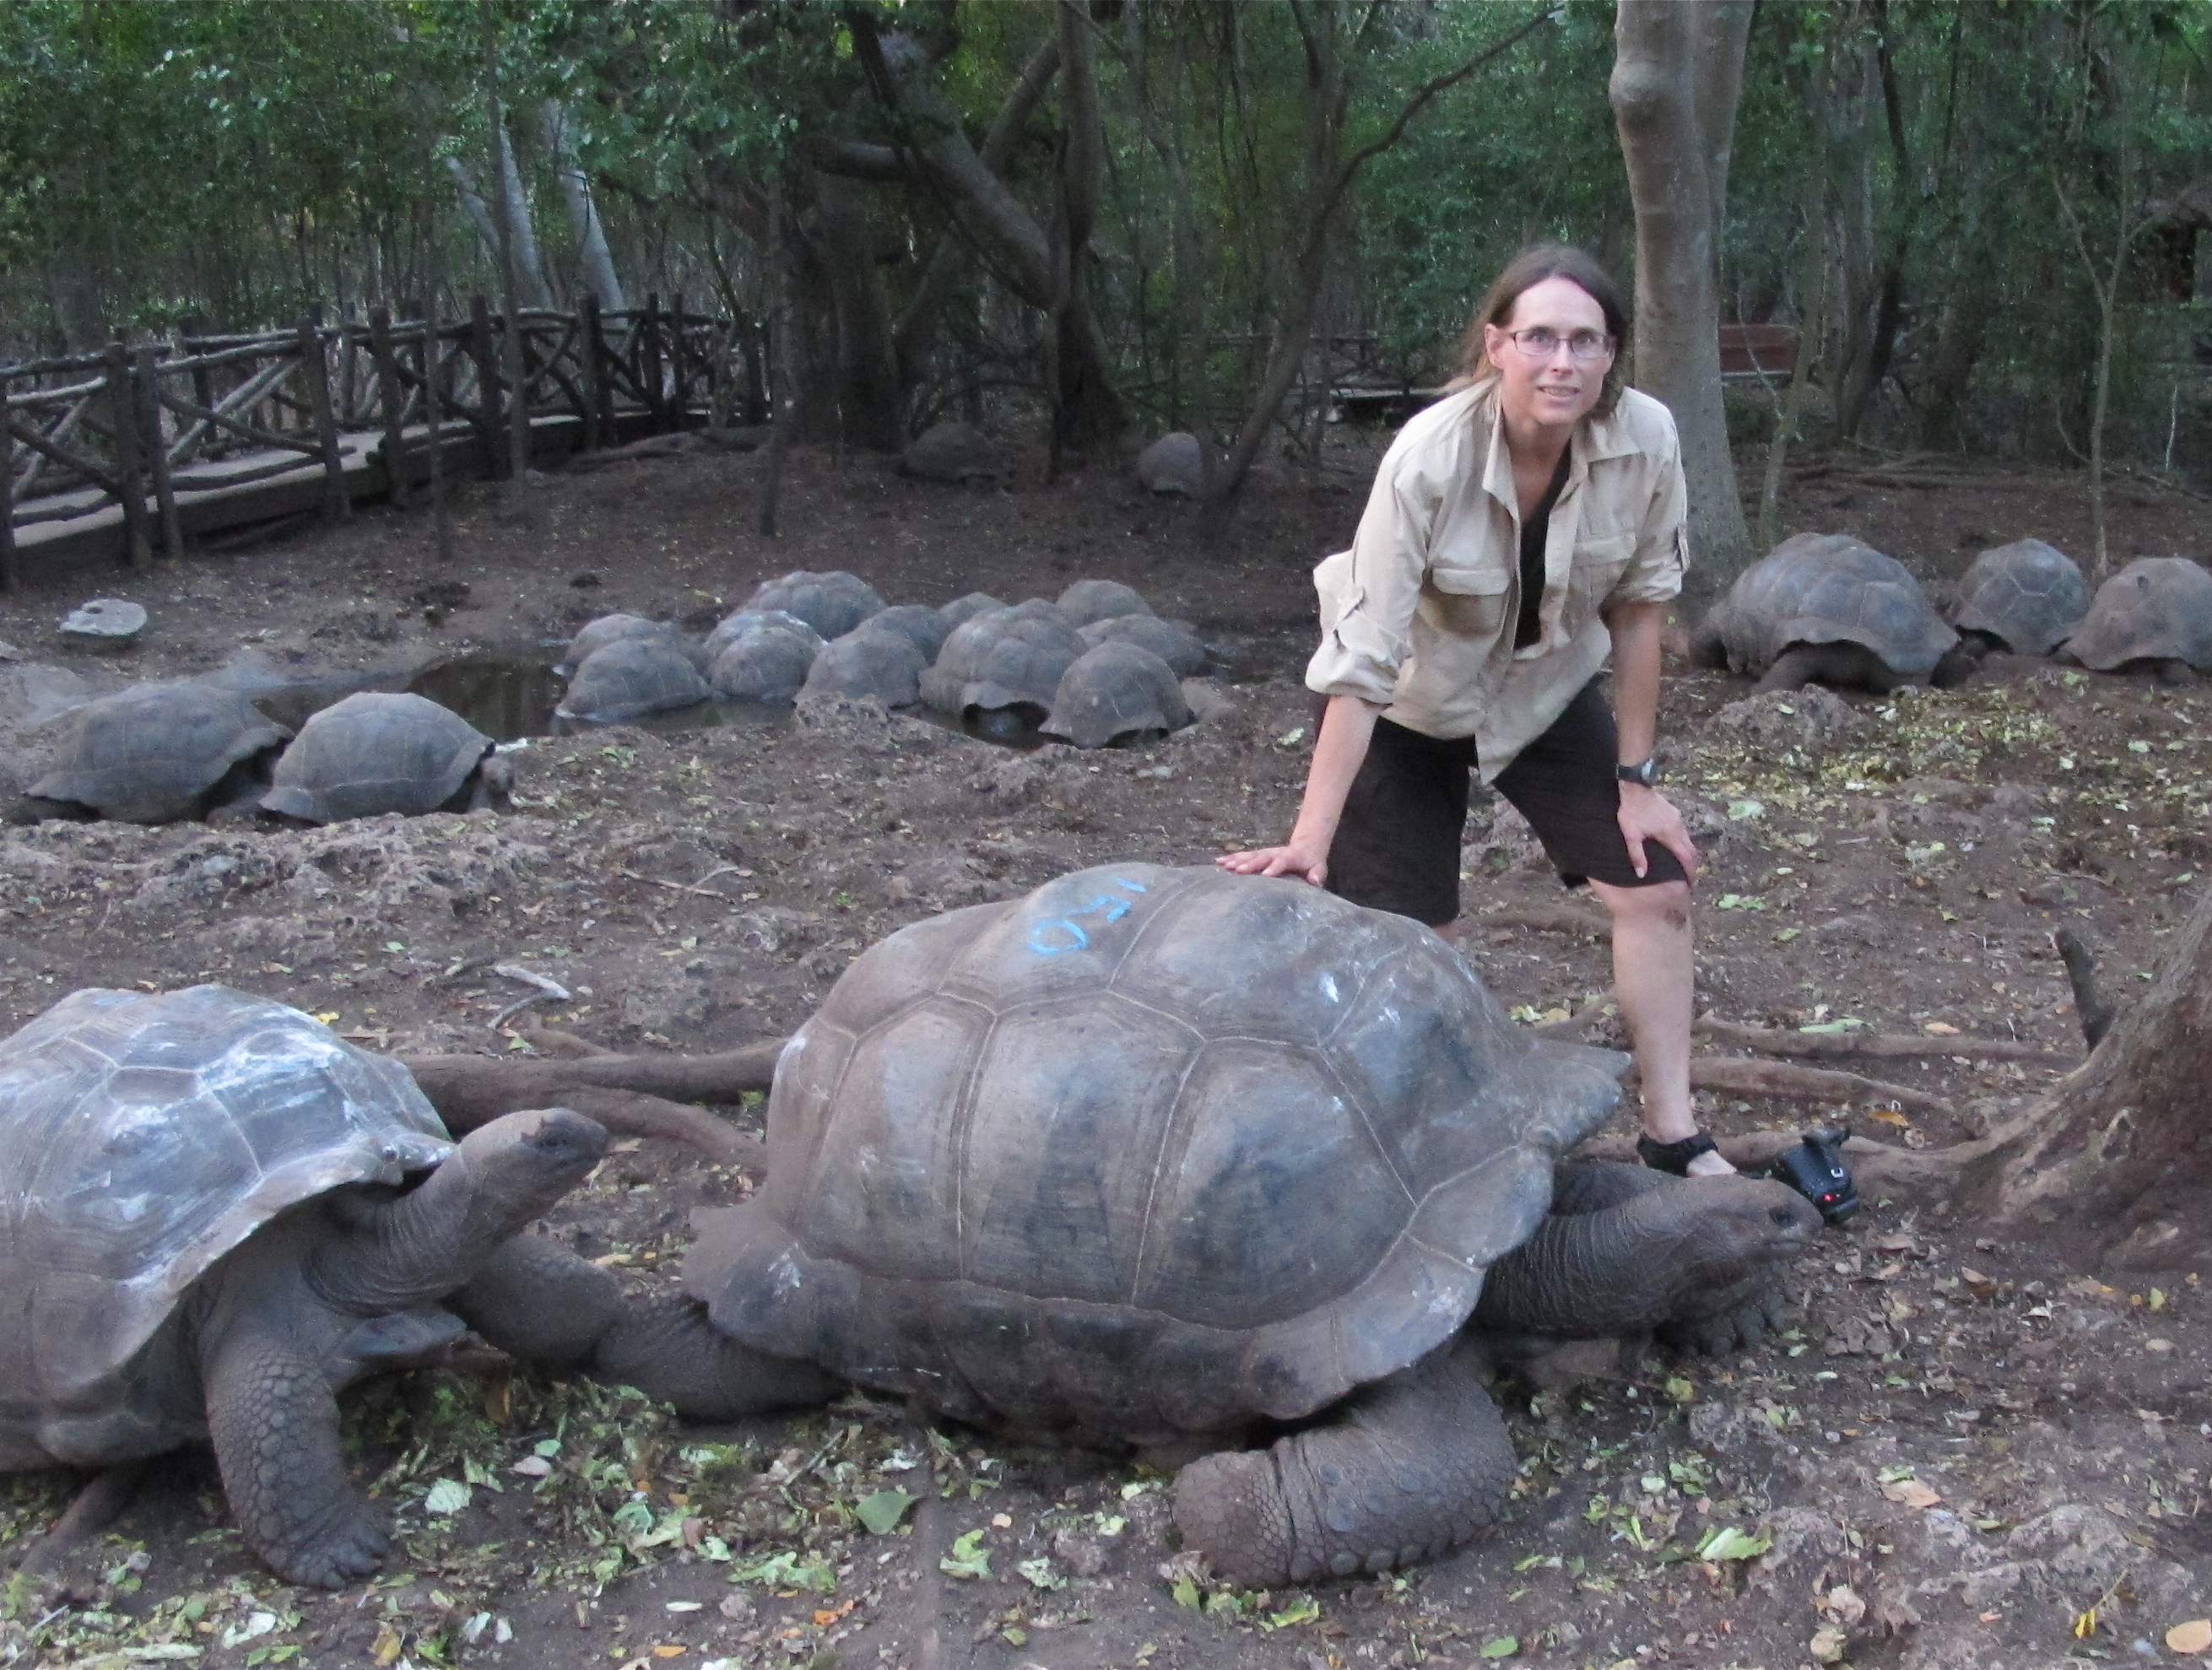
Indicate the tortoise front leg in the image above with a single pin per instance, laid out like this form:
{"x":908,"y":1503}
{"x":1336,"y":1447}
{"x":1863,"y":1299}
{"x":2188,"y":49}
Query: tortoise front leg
{"x":274,"y":1421}
{"x":539,"y":1302}
{"x":1415,"y":1466}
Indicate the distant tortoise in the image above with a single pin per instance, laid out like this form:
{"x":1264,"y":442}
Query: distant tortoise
{"x":630,"y":678}
{"x":375,"y":753}
{"x":2156,"y":611}
{"x":219,"y":1215}
{"x":832,"y":603}
{"x":2026,"y":598}
{"x":595,"y":636}
{"x":157,"y":753}
{"x":958,"y":454}
{"x":1173,"y":464}
{"x":1172,"y":642}
{"x":1171,"y":1159}
{"x":1088,"y":600}
{"x":868,"y":661}
{"x":1825,"y":607}
{"x":926,"y":629}
{"x":764,"y":656}
{"x":961,"y":610}
{"x":1001,"y":668}
{"x":1119,"y":692}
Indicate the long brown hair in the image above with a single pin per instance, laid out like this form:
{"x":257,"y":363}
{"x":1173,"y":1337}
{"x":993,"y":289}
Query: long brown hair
{"x":1530,"y":267}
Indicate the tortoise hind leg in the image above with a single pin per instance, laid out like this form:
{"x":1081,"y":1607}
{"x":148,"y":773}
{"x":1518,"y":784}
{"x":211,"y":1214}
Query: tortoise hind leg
{"x":1415,"y":1466}
{"x":539,"y":1302}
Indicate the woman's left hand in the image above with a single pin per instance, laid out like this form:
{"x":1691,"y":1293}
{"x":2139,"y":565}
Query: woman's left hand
{"x":1648,"y":815}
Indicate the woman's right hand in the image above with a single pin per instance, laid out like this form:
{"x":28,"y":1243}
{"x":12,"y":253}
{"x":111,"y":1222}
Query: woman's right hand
{"x":1306,"y":859}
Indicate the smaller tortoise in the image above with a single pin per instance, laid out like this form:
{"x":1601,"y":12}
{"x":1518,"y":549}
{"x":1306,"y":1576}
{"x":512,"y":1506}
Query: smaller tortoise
{"x":1088,"y":600}
{"x":220,"y":1215}
{"x":1117,"y":693}
{"x":630,"y":678}
{"x":158,"y":753}
{"x":1001,"y":668}
{"x":375,"y":753}
{"x":1173,"y":464}
{"x":868,"y":661}
{"x":832,"y":603}
{"x":595,"y":636}
{"x":2158,"y":612}
{"x":958,"y":454}
{"x":2026,"y":598}
{"x":926,"y":629}
{"x":962,"y":610}
{"x":1829,"y":609}
{"x":762,"y":656}
{"x":1172,"y":642}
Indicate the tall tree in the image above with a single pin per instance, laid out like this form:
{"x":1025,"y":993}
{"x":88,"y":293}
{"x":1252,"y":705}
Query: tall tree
{"x":1677,"y":75}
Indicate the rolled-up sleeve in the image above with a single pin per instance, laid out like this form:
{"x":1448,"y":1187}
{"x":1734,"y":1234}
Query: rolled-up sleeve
{"x":1369,"y":593}
{"x":1655,"y":571}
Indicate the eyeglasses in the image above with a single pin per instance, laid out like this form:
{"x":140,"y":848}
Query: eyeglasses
{"x":1539,"y":342}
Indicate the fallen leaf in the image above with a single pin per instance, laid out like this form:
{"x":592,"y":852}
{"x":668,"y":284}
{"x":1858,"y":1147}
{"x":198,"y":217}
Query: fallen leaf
{"x":2191,"y":1638}
{"x":447,"y":1495}
{"x":1911,"y":1492}
{"x":386,"y":1647}
{"x":1941,"y":1029}
{"x":882,"y":1512}
{"x":669,"y":1651}
{"x":1889,"y":1116}
{"x":1827,"y":1644}
{"x":1505,"y":1646}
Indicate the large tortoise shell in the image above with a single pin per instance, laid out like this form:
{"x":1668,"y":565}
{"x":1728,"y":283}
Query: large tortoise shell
{"x":144,"y":754}
{"x":1829,"y":588}
{"x":2029,"y":595}
{"x":372,"y":753}
{"x":2157,"y":608}
{"x":1147,"y":1151}
{"x":142,"y":1137}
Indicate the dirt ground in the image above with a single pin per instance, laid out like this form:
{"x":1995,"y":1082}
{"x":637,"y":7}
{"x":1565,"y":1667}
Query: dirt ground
{"x":1966,"y":1454}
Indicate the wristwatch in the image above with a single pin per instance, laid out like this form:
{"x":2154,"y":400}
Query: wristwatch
{"x":1646,"y":774}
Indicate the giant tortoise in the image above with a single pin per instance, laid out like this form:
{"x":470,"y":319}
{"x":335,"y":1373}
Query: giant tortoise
{"x":2026,"y":597}
{"x":1000,"y":669}
{"x":2155,"y":612}
{"x":629,"y":678}
{"x":378,"y":752}
{"x":218,"y":1214}
{"x":157,"y":753}
{"x":833,"y":602}
{"x":1116,"y":692}
{"x":1172,"y":1158}
{"x":1829,"y":609}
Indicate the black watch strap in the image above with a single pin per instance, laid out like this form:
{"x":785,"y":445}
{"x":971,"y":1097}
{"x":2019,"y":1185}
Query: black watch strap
{"x":1674,"y":1157}
{"x":1646,"y":773}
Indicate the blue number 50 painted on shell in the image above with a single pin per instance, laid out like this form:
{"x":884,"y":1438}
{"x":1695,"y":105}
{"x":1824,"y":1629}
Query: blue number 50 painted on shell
{"x":1056,"y":934}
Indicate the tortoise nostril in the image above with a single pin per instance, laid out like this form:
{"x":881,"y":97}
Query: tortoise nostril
{"x":1782,"y":1217}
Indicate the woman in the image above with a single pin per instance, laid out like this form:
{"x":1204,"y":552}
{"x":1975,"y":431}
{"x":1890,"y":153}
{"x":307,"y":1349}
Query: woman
{"x":1520,"y":532}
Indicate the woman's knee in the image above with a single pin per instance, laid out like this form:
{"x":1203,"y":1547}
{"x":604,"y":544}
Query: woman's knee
{"x":1663,"y":904}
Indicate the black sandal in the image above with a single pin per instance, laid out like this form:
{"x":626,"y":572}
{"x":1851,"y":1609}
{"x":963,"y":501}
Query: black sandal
{"x":1674,"y":1158}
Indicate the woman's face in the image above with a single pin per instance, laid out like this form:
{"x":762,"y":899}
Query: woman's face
{"x":1555,"y":389}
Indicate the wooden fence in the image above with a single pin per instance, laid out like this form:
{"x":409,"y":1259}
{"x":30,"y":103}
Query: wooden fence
{"x":159,"y":429}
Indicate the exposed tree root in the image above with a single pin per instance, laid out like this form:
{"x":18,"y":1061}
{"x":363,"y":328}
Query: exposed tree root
{"x":1795,"y":1083}
{"x":1879,"y":1168}
{"x":1823,"y":1046}
{"x":1547,"y":919}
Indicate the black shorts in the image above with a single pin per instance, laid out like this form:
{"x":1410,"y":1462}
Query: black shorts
{"x":1398,"y":847}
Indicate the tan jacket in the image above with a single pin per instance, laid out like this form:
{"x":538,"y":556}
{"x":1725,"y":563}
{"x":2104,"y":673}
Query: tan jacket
{"x":1419,"y":614}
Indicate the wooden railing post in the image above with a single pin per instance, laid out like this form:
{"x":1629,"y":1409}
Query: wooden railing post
{"x":482,"y":351}
{"x":594,"y":345}
{"x":9,"y":581}
{"x":678,"y":367}
{"x":149,"y":401}
{"x":337,"y":502}
{"x":129,"y":489}
{"x":392,"y":393}
{"x":649,"y":366}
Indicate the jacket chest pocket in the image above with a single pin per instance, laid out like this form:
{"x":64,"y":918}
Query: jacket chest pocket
{"x":1469,"y":602}
{"x":1600,"y":562}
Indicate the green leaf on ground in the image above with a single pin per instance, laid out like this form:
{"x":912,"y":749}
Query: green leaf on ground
{"x":882,"y":1512}
{"x":969,"y":1558}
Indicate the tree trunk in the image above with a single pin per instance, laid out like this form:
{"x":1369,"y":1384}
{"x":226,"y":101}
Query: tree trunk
{"x":595,"y":260}
{"x":1675,"y":80}
{"x":2116,"y":1162}
{"x":528,"y":263}
{"x":1085,"y":417}
{"x":871,"y":404}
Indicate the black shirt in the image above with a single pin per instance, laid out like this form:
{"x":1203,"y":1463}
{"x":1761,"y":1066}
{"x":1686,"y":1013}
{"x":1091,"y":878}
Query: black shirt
{"x":1535,"y":528}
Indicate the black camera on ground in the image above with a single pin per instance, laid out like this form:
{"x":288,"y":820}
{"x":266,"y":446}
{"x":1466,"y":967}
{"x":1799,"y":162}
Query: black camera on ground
{"x":1815,"y":1170}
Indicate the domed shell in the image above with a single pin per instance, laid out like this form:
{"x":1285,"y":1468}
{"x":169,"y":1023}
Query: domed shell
{"x":1827,"y":588}
{"x":630,"y":677}
{"x":868,"y":661}
{"x":595,"y":636}
{"x":1006,"y":659}
{"x":1089,"y":600}
{"x":956,"y":452}
{"x":375,"y":753}
{"x":1117,"y":690}
{"x":1146,"y":1152}
{"x":144,"y":1137}
{"x":145,"y":755}
{"x":832,"y":603}
{"x":767,"y":660}
{"x":748,"y":621}
{"x":925,"y":627}
{"x":1173,"y":464}
{"x":2156,"y":609}
{"x":961,"y":610}
{"x":1172,"y":642}
{"x":2028,"y":595}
